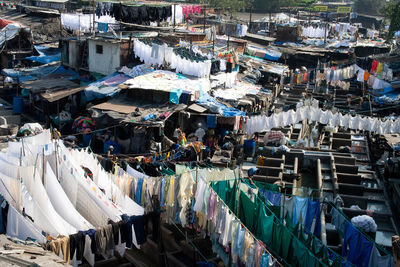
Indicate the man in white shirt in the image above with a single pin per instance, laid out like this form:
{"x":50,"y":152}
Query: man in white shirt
{"x":200,"y":133}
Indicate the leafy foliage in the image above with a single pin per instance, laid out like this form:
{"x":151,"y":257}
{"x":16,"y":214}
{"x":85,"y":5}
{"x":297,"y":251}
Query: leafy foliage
{"x":393,"y":13}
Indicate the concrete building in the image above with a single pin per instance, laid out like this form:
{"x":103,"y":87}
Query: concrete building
{"x":97,"y":54}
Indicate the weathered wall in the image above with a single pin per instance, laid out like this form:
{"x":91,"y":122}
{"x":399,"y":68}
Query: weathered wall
{"x":107,"y":62}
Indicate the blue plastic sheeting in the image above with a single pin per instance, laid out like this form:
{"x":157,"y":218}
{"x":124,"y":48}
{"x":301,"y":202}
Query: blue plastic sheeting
{"x":212,"y":104}
{"x":100,"y":89}
{"x":272,"y":55}
{"x":45,"y":59}
{"x":388,"y":98}
{"x":46,"y":55}
{"x":174,"y":95}
{"x":30,"y":74}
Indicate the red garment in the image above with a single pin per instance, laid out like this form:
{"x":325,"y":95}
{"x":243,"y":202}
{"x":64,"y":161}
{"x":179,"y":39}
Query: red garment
{"x":374,"y":66}
{"x":305,"y":78}
{"x":197,"y":9}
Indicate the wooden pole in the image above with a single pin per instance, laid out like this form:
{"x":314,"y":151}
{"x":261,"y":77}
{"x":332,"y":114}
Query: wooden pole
{"x":94,"y":16}
{"x":251,"y":14}
{"x":43,"y":165}
{"x":174,"y":16}
{"x":55,"y":148}
{"x":204,"y":22}
{"x":58,"y":112}
{"x":326,"y":26}
{"x":60,"y":26}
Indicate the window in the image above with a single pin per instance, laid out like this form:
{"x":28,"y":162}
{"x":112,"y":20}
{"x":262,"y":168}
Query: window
{"x":99,"y":49}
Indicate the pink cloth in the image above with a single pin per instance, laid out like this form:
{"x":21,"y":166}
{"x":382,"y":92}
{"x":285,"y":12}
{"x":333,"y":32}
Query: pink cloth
{"x":211,"y":205}
{"x":186,"y":10}
{"x":115,"y":80}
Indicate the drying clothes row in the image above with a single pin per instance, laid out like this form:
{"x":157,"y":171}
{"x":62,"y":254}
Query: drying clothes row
{"x":262,"y":123}
{"x":160,"y":55}
{"x":190,"y":9}
{"x":211,"y":33}
{"x":84,"y":22}
{"x":313,"y":32}
{"x":152,"y":54}
{"x":59,"y":205}
{"x":241,"y":30}
{"x":358,"y":249}
{"x":286,"y":240}
{"x":302,"y":209}
{"x":334,"y":74}
{"x":177,"y":13}
{"x":138,"y":14}
{"x":175,"y":194}
{"x":341,"y":29}
{"x":303,"y":77}
{"x":115,"y":236}
{"x":373,"y":80}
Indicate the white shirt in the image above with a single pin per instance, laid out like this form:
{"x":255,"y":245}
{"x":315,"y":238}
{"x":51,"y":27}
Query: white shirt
{"x":200,"y":133}
{"x":176,"y":133}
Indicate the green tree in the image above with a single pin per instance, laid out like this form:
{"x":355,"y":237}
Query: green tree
{"x":369,"y":7}
{"x":230,"y":5}
{"x":392,"y":11}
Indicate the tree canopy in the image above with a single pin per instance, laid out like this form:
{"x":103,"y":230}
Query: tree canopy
{"x":392,"y":12}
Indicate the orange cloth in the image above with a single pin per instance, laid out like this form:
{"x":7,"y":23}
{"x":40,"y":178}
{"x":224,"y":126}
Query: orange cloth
{"x":366,"y":76}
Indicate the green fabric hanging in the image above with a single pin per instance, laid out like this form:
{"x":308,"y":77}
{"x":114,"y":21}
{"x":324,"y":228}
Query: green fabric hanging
{"x":277,"y":238}
{"x":286,"y":243}
{"x":264,"y":226}
{"x":323,"y":255}
{"x":231,"y":195}
{"x":247,"y":211}
{"x":220,"y":188}
{"x":275,"y":210}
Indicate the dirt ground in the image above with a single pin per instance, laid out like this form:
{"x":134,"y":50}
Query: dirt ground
{"x":43,"y":29}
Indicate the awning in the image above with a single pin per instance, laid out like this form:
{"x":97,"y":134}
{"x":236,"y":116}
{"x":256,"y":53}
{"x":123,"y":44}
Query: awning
{"x":120,"y":108}
{"x":57,"y":95}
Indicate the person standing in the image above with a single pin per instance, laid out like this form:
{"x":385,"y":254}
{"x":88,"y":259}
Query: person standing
{"x":177,"y":133}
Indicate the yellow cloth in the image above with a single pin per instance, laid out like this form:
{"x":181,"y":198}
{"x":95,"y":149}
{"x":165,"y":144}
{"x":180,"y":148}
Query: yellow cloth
{"x":260,"y":161}
{"x":143,"y":191}
{"x":170,"y":195}
{"x":61,"y":243}
{"x":379,"y":69}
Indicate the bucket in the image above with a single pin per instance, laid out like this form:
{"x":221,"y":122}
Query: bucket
{"x":249,"y":148}
{"x":18,"y":105}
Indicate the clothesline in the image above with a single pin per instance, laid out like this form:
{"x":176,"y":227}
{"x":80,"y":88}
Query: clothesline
{"x":262,"y":123}
{"x":279,"y":219}
{"x":278,"y":222}
{"x":244,"y":226}
{"x":361,"y":232}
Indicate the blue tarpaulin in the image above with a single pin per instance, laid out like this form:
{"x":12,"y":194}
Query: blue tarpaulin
{"x":104,"y":87}
{"x":30,"y":74}
{"x":46,"y":55}
{"x":212,"y":104}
